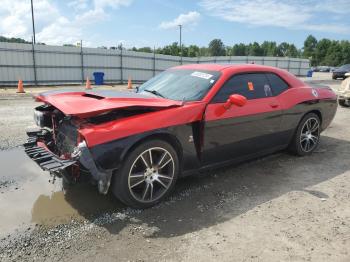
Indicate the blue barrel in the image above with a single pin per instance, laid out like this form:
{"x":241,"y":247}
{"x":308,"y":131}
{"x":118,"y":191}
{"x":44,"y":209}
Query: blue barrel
{"x":98,"y":76}
{"x":309,"y":73}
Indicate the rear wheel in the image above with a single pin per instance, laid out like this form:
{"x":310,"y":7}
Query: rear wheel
{"x":148,"y":175}
{"x":307,"y":136}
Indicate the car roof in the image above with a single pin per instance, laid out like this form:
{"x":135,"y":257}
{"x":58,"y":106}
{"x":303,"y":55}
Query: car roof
{"x":237,"y":68}
{"x":221,"y":67}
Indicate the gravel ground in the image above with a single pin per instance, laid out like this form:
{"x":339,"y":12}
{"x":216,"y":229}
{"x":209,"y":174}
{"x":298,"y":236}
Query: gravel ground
{"x":278,"y":208}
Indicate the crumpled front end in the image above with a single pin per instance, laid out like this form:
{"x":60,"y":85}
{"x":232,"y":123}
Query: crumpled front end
{"x":58,"y":147}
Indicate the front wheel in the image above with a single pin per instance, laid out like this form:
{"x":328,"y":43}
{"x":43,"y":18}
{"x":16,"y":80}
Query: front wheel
{"x":307,"y":135}
{"x":148,"y":174}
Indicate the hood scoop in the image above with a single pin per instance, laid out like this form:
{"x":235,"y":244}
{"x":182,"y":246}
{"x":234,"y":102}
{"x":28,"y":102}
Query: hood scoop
{"x":93,"y":96}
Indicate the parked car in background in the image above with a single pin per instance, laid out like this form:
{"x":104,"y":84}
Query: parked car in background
{"x":341,"y":71}
{"x":184,"y":120}
{"x":321,"y":69}
{"x":324,"y":69}
{"x":344,"y":92}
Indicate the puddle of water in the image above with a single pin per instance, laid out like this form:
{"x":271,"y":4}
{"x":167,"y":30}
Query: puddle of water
{"x":37,"y":201}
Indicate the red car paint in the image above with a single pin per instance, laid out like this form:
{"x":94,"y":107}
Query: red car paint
{"x":100,"y":134}
{"x":173,"y":112}
{"x":284,"y":101}
{"x":79,"y":105}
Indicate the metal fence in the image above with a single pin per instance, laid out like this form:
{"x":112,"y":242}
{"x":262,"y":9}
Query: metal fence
{"x":54,"y":65}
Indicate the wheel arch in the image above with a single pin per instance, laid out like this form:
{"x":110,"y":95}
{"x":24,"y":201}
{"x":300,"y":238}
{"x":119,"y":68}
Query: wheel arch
{"x":315,"y":111}
{"x":162,"y":135}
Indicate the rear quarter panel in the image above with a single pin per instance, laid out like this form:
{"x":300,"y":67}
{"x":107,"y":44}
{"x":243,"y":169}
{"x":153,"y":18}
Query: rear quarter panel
{"x":298,"y":101}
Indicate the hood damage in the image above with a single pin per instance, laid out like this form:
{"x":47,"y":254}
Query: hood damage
{"x":85,"y":104}
{"x":59,"y":146}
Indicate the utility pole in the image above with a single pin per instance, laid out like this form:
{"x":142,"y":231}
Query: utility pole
{"x":82,"y":61}
{"x":180,"y":26}
{"x":31,"y":1}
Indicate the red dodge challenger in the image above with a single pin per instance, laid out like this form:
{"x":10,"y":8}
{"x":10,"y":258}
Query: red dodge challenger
{"x":184,"y":120}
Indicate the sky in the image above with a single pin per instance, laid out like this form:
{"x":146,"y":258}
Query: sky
{"x":155,"y":22}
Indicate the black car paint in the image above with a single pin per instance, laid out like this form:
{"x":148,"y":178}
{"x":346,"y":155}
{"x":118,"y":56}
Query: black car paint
{"x":254,"y":139}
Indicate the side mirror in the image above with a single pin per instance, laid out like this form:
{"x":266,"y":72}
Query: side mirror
{"x":235,"y":99}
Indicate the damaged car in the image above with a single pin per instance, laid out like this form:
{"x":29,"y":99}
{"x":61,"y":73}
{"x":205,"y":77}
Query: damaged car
{"x":185,"y":120}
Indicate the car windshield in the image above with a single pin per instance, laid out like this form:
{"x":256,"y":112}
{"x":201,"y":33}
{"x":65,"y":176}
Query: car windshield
{"x":181,"y":84}
{"x":345,"y":67}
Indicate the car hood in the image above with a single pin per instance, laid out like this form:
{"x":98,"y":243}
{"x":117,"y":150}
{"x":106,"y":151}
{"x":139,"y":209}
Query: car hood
{"x":83,"y":103}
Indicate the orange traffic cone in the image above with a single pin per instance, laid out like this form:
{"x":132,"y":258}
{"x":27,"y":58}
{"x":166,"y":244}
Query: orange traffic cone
{"x":20,"y":88}
{"x":129,"y":83}
{"x":88,"y":84}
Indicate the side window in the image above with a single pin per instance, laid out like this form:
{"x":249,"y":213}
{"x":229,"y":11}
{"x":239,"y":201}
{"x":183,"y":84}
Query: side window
{"x":278,"y":85}
{"x":252,"y":86}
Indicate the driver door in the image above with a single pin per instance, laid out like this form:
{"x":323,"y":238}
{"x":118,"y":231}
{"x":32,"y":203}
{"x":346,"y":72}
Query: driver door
{"x":241,"y":132}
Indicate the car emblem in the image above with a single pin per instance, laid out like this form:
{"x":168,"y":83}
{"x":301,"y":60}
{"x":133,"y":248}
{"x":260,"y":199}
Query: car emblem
{"x":314,"y":92}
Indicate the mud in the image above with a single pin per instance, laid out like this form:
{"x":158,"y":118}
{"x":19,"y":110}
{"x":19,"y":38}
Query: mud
{"x":29,"y":196}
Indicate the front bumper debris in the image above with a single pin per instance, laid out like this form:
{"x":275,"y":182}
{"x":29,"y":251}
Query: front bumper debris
{"x":102,"y":176}
{"x":47,"y":160}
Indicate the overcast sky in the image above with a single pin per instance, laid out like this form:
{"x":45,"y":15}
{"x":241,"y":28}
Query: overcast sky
{"x":155,"y":22}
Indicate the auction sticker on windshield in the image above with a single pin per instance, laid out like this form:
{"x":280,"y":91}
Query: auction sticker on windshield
{"x":201,"y":75}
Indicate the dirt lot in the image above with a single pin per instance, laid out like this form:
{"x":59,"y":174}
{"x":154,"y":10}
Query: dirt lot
{"x":278,"y":208}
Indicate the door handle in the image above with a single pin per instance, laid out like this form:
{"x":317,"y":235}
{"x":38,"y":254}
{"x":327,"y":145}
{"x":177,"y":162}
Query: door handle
{"x":274,"y":105}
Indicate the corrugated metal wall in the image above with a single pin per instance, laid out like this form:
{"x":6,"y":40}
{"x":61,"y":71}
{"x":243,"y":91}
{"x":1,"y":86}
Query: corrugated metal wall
{"x":66,"y":65}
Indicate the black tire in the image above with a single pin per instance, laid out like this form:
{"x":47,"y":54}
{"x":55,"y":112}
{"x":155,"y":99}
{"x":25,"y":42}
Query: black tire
{"x":343,"y":103}
{"x":298,"y":145}
{"x":123,"y":185}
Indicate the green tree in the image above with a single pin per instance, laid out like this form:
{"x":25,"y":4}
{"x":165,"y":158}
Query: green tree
{"x":145,"y":49}
{"x":217,"y":48}
{"x":282,"y":49}
{"x":334,"y":55}
{"x":204,"y":51}
{"x":309,"y":50}
{"x":254,"y":49}
{"x":239,"y":50}
{"x":292,"y":51}
{"x":173,"y":49}
{"x":321,"y":51}
{"x":193,"y":51}
{"x":345,"y":46}
{"x":13,"y":40}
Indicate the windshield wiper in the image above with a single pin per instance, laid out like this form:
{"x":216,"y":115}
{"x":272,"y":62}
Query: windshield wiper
{"x":155,"y":92}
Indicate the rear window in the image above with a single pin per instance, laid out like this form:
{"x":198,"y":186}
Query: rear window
{"x":278,"y":85}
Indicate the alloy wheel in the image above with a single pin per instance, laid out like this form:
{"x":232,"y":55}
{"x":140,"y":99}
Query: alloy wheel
{"x":151,"y":175}
{"x":309,"y":134}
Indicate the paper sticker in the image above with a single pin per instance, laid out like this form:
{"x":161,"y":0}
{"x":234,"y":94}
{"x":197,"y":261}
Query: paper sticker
{"x":201,"y":75}
{"x":267,"y":90}
{"x":250,"y":86}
